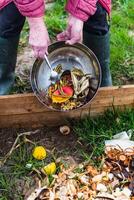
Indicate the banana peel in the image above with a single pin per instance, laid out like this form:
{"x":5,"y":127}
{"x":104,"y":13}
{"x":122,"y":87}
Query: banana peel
{"x":60,"y":99}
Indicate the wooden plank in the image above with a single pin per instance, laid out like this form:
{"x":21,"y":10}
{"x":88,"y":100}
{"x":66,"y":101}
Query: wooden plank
{"x":40,"y":119}
{"x":28,"y":103}
{"x":125,"y":89}
{"x":28,"y":120}
{"x":24,"y":110}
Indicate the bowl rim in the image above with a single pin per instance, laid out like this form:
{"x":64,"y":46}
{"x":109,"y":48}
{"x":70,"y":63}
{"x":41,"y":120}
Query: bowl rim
{"x":38,"y":63}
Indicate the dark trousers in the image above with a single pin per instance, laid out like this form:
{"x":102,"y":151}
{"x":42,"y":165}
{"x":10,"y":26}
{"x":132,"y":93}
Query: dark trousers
{"x":96,"y":37}
{"x":11,"y":21}
{"x":98,"y":23}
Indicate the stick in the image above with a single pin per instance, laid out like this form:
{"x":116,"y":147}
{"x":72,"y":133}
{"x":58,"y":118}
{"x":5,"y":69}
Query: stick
{"x":2,"y":162}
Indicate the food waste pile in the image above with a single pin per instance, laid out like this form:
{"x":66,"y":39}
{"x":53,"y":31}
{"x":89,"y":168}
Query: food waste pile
{"x":71,"y":90}
{"x":113,"y":179}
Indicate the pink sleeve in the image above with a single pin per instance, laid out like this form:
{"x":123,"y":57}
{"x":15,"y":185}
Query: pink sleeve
{"x":30,"y":8}
{"x":81,"y":9}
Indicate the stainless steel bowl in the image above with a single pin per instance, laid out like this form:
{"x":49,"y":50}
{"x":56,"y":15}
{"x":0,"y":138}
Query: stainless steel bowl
{"x":68,"y":56}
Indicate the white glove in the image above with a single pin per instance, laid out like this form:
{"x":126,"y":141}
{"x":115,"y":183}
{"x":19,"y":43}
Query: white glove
{"x":73,"y":32}
{"x":38,"y":36}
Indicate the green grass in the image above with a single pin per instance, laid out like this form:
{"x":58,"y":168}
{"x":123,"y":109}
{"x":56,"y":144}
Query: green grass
{"x":55,"y":18}
{"x":15,"y":170}
{"x":122,"y":44}
{"x":94,"y":132}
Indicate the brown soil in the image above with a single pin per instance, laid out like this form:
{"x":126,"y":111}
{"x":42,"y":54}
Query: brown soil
{"x":51,"y":138}
{"x":64,"y":147}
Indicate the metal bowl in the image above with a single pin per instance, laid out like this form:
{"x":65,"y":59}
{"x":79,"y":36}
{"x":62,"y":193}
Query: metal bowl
{"x":68,"y":56}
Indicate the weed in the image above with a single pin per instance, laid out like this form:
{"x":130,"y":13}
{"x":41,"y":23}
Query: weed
{"x":94,"y":131}
{"x":122,"y":44}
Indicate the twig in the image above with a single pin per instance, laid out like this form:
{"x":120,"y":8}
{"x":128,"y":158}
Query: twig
{"x":2,"y":162}
{"x":106,"y":198}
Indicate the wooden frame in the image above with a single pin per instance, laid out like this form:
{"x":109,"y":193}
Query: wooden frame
{"x":24,"y":110}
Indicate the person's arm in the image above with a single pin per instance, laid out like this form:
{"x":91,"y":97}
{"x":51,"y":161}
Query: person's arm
{"x":79,"y":11}
{"x":38,"y":36}
{"x":30,"y":8}
{"x":34,"y":10}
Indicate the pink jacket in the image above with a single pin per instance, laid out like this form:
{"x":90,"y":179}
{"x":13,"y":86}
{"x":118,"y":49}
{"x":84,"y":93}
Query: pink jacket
{"x":28,"y":8}
{"x":81,"y":9}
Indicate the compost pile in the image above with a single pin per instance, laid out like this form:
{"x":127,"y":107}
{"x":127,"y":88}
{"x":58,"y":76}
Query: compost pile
{"x":112,"y":180}
{"x":71,"y":90}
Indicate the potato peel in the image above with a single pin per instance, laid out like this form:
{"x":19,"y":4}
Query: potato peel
{"x":113,"y":181}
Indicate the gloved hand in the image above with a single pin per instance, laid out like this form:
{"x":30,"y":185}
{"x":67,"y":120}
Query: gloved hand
{"x":73,"y":32}
{"x":38,"y":36}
